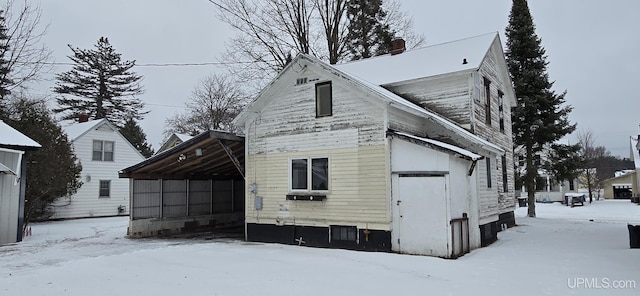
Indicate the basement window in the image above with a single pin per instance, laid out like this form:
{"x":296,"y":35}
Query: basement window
{"x":344,"y":233}
{"x":324,"y":99}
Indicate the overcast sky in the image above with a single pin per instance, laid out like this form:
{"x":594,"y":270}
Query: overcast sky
{"x":592,"y":47}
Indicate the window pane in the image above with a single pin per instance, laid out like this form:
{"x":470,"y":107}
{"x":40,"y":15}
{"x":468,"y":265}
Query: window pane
{"x":320,"y":174}
{"x":97,"y":150}
{"x":299,"y":174}
{"x":108,"y":146}
{"x":323,"y":99}
{"x":108,"y":156}
{"x":97,"y":155}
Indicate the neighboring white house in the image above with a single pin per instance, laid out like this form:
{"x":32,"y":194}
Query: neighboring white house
{"x":174,"y":140}
{"x":13,"y":176}
{"x":336,"y":160}
{"x":102,"y":151}
{"x":466,"y":81}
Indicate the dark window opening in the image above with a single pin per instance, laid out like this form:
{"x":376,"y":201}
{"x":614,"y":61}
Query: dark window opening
{"x":501,"y":110}
{"x":487,"y":92}
{"x":324,"y":99}
{"x":488,"y":160}
{"x":505,"y":184}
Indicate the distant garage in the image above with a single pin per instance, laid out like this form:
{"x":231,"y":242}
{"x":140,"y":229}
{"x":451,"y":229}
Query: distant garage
{"x":195,"y":186}
{"x":620,"y":187}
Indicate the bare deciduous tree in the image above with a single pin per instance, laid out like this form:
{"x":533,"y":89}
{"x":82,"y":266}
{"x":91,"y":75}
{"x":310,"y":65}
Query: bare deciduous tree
{"x":27,"y":57}
{"x":214,"y":103}
{"x":589,"y":154}
{"x":271,"y":32}
{"x":335,"y":29}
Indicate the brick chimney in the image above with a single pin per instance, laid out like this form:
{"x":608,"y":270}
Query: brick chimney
{"x":83,"y":117}
{"x":397,"y":46}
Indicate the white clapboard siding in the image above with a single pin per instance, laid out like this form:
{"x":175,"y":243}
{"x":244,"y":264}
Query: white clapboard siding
{"x":86,"y":203}
{"x":447,"y":95}
{"x":353,"y":139}
{"x":358,"y":192}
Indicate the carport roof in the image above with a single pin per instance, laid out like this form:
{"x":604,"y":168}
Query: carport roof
{"x":209,"y":155}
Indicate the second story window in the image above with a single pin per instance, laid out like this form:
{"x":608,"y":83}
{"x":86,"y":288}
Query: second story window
{"x":324,"y":104}
{"x":487,"y":93}
{"x":102,"y":150}
{"x":501,"y":109}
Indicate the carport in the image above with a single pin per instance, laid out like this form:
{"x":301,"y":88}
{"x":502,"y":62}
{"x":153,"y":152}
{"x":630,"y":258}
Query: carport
{"x":195,"y":186}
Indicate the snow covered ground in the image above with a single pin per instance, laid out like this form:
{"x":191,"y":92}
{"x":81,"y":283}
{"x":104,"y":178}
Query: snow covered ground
{"x":562,"y":252}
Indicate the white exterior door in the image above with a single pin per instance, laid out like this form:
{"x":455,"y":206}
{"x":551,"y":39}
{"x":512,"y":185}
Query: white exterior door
{"x":420,"y":215}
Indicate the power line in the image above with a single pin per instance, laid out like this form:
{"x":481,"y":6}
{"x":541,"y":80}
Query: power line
{"x":164,"y":64}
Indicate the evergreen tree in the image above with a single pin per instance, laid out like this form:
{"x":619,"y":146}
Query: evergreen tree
{"x":53,"y":171}
{"x":101,"y":85}
{"x":539,"y":117}
{"x":368,"y":34}
{"x":5,"y":81}
{"x":136,"y":136}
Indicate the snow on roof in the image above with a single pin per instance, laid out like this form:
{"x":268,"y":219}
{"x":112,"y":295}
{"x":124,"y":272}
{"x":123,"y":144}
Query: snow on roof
{"x":422,"y":62}
{"x":184,"y":137}
{"x":75,"y":130}
{"x":443,"y":145}
{"x":11,"y":137}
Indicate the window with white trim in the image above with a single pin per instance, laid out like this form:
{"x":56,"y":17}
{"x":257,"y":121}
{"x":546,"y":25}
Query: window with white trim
{"x":105,"y":188}
{"x":313,"y":177}
{"x":103,"y":150}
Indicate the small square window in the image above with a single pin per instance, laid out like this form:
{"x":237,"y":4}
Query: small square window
{"x":105,"y":188}
{"x":102,"y":150}
{"x":323,"y":99}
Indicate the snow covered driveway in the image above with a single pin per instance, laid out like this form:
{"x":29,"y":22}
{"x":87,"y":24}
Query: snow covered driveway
{"x":559,"y":253}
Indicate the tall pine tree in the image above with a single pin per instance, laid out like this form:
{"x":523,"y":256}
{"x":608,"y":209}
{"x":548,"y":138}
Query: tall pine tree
{"x":100,"y":85}
{"x":540,"y":116}
{"x":368,"y":34}
{"x":136,"y":136}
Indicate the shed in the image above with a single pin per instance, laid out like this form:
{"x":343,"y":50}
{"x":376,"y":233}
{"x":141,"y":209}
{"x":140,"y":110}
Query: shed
{"x":13,"y":177}
{"x":194,"y":186}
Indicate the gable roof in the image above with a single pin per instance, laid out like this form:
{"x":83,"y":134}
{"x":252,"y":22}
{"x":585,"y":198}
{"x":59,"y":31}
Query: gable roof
{"x":77,"y":130}
{"x":388,"y":97}
{"x":423,"y":62}
{"x":12,"y":138}
{"x":173,"y":140}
